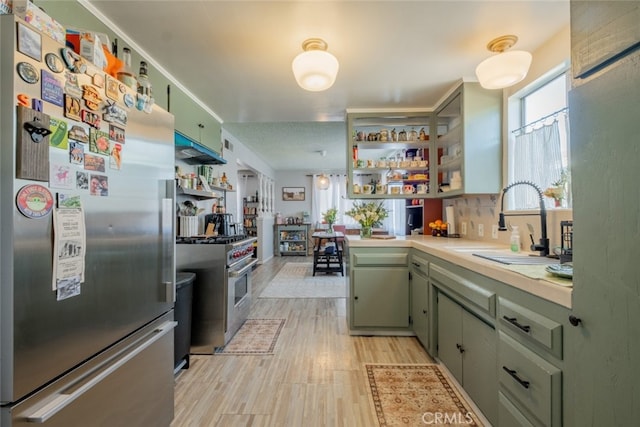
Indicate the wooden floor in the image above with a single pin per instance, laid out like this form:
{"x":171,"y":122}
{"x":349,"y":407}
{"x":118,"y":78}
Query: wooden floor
{"x":316,"y":377}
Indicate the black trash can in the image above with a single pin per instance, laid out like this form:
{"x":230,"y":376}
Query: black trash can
{"x":182,"y":314}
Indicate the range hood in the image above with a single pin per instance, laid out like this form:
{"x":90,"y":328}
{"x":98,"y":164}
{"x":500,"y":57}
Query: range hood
{"x":194,"y":153}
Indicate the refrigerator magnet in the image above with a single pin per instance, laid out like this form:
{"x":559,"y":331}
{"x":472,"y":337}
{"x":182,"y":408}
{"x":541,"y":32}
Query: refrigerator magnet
{"x":91,"y":97}
{"x":51,"y":89}
{"x":128,"y":100}
{"x":115,"y":114}
{"x":29,"y":42}
{"x":34,"y":201}
{"x":98,"y":80}
{"x":32,"y":145}
{"x":72,"y":107}
{"x":28,"y":73}
{"x":78,"y":133}
{"x":74,"y":61}
{"x":111,"y":89}
{"x":54,"y":62}
{"x":92,"y":119}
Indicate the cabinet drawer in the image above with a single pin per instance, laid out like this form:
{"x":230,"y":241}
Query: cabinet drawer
{"x":533,"y":326}
{"x":529,"y":380}
{"x":509,"y":415}
{"x":477,"y":295}
{"x":420,"y":264}
{"x":380,"y":259}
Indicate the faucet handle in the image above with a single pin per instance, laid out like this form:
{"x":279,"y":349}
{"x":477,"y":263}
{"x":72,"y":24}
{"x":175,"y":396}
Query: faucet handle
{"x":501,"y":223}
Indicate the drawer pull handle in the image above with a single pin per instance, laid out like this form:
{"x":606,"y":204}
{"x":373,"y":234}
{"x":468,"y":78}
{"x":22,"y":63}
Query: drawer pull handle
{"x":514,"y":375}
{"x":416,"y":264}
{"x":514,"y":322}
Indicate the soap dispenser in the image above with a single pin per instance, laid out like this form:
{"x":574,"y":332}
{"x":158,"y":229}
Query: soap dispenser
{"x":515,"y":239}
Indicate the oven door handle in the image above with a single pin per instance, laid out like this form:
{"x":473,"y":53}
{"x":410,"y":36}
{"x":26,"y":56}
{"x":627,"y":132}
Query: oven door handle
{"x":238,"y":273}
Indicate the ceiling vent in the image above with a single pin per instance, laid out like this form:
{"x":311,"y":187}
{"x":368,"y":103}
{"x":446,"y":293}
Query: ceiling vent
{"x":228,"y":145}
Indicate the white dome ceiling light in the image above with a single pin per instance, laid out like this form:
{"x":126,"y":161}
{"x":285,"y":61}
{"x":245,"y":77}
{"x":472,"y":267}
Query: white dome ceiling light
{"x":315,"y":69}
{"x":506,"y":68}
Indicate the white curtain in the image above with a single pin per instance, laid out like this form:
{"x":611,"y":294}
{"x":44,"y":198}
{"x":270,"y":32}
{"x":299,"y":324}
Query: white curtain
{"x":538,"y":157}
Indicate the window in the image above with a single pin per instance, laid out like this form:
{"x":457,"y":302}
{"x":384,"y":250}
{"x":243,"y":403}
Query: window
{"x":539,"y":145}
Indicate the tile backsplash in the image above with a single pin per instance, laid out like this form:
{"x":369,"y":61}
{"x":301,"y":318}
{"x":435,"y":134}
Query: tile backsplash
{"x":481,"y":213}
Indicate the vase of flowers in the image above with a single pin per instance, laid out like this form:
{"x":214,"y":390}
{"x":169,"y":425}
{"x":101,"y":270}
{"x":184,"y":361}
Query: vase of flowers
{"x":368,"y":215}
{"x":330,"y":218}
{"x":558,"y":189}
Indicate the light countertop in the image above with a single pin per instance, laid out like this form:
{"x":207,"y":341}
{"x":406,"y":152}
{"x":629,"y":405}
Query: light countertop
{"x":532,"y":279}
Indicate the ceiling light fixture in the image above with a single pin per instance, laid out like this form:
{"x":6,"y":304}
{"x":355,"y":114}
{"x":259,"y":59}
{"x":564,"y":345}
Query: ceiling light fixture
{"x":506,"y":68}
{"x":323,"y":182}
{"x":315,"y":69}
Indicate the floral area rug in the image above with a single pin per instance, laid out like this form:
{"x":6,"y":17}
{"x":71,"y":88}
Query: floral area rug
{"x":415,"y":395}
{"x":255,"y":337}
{"x":296,"y":280}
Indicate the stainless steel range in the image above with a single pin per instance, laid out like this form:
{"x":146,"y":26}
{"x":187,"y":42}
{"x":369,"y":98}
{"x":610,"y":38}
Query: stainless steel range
{"x":222,"y":289}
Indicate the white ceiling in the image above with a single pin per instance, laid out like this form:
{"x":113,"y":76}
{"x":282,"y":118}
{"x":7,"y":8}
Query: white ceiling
{"x":235,"y":56}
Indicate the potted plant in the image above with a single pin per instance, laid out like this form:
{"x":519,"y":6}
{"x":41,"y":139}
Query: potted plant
{"x":558,"y":189}
{"x":330,"y":218}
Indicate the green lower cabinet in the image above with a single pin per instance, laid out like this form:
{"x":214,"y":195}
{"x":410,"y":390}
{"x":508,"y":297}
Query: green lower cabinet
{"x":467,"y":347}
{"x":380,"y":297}
{"x":419,"y":306}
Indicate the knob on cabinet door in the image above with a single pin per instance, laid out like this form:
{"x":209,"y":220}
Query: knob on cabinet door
{"x":575,"y":321}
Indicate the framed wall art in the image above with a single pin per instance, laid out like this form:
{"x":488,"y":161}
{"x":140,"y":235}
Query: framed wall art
{"x":29,"y":42}
{"x":293,"y":194}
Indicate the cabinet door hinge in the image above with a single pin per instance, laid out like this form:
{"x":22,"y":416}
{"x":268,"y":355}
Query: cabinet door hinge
{"x":410,"y":320}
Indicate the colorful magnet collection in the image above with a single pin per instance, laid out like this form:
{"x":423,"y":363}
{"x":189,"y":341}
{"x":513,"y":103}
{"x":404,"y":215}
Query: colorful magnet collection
{"x":89,"y":100}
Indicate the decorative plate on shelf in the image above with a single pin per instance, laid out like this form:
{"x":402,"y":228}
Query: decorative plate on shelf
{"x":561,"y":270}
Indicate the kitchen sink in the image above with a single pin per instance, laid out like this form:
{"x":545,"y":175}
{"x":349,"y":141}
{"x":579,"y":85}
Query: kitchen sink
{"x":512,"y":259}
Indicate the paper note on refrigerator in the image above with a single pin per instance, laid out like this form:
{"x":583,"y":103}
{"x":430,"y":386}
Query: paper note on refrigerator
{"x":68,"y":251}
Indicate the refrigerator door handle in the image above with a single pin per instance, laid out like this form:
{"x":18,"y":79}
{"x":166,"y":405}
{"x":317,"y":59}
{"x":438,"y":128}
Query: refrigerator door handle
{"x":170,"y":291}
{"x":63,"y":399}
{"x":167,"y":218}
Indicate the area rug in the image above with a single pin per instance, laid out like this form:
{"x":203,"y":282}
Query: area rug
{"x":414,"y":395}
{"x":295,"y":280}
{"x":255,"y":337}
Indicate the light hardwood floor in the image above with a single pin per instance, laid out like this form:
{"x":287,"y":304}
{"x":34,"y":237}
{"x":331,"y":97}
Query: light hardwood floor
{"x":315,"y":378}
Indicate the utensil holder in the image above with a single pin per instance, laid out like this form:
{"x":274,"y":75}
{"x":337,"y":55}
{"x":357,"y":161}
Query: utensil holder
{"x":188,"y":226}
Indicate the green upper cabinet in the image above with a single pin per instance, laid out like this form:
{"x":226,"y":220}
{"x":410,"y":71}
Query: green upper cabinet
{"x":453,"y":151}
{"x":194,"y":122}
{"x":466,"y":157}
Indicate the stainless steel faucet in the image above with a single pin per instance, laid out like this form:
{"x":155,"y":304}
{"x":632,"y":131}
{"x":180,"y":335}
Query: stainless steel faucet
{"x":543,"y":246}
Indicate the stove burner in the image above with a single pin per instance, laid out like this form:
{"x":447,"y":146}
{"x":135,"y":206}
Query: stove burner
{"x":210,"y":240}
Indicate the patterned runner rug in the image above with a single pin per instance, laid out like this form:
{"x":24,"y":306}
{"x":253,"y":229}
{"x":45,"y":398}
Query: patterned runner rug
{"x":415,"y":395}
{"x":255,"y":337}
{"x":295,"y":280}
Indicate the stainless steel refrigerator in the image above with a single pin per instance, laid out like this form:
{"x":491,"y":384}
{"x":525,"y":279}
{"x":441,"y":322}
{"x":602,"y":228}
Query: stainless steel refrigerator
{"x":101,"y":354}
{"x":602,"y":341}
